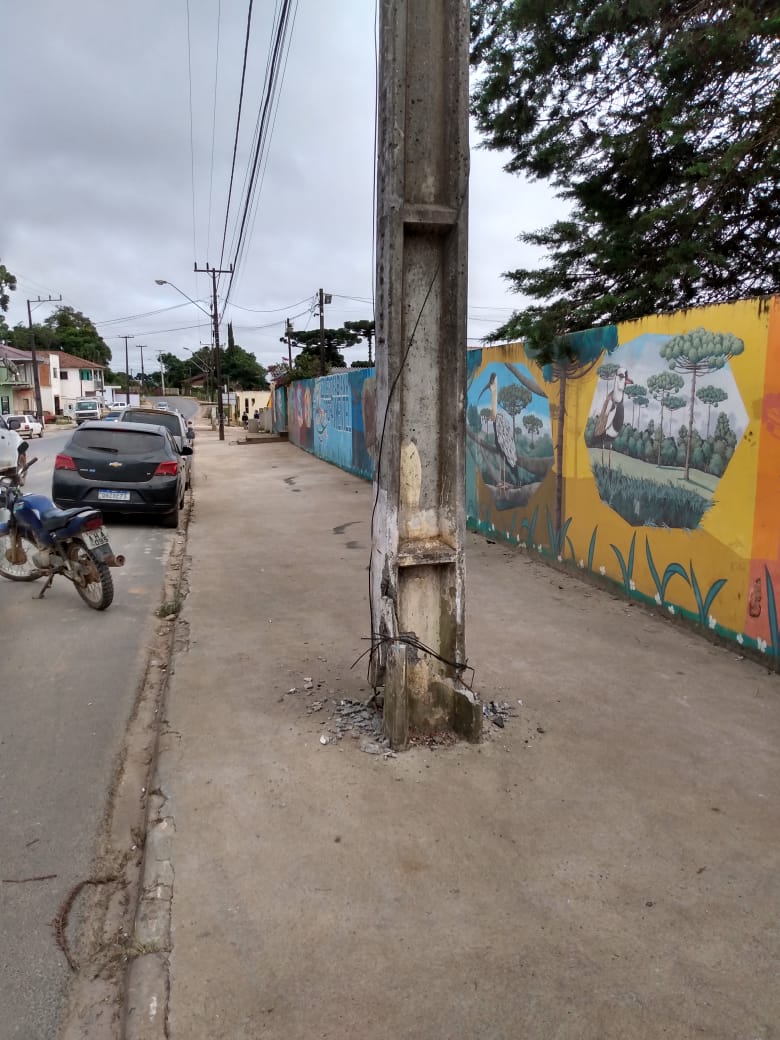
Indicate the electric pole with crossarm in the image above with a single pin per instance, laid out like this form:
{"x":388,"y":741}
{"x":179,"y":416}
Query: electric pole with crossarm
{"x":214,"y":271}
{"x":36,"y":375}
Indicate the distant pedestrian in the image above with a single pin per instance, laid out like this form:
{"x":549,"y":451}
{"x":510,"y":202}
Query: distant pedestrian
{"x":257,"y":413}
{"x":245,"y":419}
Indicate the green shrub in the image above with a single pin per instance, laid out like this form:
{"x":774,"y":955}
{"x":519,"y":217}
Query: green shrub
{"x":646,"y":503}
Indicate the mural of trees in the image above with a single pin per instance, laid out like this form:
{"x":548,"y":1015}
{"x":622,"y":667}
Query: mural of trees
{"x":712,"y":396}
{"x":473,"y":419}
{"x":533,"y":425}
{"x":663,"y":386}
{"x":674,"y":404}
{"x":633,"y":392}
{"x":608,"y":372}
{"x":514,"y":399}
{"x":698,"y":353}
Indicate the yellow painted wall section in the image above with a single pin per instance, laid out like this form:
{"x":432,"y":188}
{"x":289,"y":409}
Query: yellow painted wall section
{"x":686,"y":515}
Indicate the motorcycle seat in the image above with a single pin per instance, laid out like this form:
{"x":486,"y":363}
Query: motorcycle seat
{"x":56,"y":518}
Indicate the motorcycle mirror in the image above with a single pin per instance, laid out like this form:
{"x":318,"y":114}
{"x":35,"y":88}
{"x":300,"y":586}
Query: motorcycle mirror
{"x":22,"y":449}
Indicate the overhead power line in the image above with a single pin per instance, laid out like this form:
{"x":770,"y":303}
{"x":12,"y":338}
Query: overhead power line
{"x":272,"y":310}
{"x":192,"y":138}
{"x":238,"y":126}
{"x":263,"y":132}
{"x":214,"y":126}
{"x":132,"y":317}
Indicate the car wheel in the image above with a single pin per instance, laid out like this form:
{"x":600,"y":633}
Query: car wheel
{"x":172,"y":519}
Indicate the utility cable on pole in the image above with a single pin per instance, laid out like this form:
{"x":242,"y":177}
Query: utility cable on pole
{"x":36,"y":376}
{"x":127,"y":369}
{"x":214,"y":271}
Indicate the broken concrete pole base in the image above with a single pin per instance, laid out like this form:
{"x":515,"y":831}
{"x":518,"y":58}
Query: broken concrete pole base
{"x":429,"y":704}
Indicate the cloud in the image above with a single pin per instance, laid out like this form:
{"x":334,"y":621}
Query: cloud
{"x":98,"y":190}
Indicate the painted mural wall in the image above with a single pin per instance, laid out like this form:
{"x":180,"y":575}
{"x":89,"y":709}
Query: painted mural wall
{"x":279,"y":406}
{"x":334,"y":417}
{"x":653,"y":462}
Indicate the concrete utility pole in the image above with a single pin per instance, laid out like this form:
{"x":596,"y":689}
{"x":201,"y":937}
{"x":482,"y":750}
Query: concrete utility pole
{"x":417,"y":560}
{"x":323,"y":299}
{"x":288,"y":330}
{"x":162,"y":374}
{"x":127,"y":368}
{"x":36,"y":374}
{"x":213,"y":271}
{"x":142,"y":347}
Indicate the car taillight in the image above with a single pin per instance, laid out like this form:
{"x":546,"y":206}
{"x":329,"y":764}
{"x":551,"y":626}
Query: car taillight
{"x":167,"y":469}
{"x":64,"y":462}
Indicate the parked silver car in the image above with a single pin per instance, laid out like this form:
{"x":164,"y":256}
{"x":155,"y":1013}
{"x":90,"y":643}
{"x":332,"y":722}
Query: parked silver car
{"x":171,"y":421}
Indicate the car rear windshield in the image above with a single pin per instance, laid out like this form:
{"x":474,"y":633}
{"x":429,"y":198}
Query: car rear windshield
{"x":170,"y":422}
{"x":119,"y":442}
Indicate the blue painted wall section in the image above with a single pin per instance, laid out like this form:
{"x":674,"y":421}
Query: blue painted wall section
{"x":335,"y":418}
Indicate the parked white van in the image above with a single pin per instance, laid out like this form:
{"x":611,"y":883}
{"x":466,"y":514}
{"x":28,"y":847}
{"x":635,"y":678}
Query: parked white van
{"x":87,"y":408}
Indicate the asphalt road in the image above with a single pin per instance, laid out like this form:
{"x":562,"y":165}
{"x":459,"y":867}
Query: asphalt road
{"x":186,"y":405}
{"x":68,"y":679}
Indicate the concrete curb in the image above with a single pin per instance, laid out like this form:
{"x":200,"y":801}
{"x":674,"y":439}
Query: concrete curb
{"x":147,"y":982}
{"x":146,"y":999}
{"x":141,"y":879}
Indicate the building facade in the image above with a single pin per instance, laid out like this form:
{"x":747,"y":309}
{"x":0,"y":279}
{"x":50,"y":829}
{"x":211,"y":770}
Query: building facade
{"x":64,"y":378}
{"x":17,"y":385}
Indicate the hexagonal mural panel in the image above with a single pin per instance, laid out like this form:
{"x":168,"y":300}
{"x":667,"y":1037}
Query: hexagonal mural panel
{"x":508,"y":433}
{"x":665,"y":421}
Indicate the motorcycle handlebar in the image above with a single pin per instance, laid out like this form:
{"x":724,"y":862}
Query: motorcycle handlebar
{"x":22,"y":470}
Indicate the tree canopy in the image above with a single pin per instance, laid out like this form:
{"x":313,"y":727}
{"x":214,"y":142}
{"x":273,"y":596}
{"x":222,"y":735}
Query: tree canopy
{"x":7,"y":283}
{"x":308,"y":342}
{"x":659,"y":124}
{"x":65,"y":329}
{"x":240,"y":368}
{"x":75,"y":334}
{"x":366,"y":330}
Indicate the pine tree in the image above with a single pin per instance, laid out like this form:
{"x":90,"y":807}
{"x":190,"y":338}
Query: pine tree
{"x":659,"y":125}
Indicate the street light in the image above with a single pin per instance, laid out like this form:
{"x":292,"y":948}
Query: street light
{"x":164,"y":281}
{"x":213,"y":316}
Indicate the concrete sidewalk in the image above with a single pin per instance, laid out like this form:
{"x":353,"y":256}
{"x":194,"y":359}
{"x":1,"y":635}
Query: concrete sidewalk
{"x":604,"y":866}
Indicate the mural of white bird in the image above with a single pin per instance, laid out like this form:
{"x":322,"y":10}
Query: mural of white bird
{"x":502,"y":430}
{"x":610,"y":422}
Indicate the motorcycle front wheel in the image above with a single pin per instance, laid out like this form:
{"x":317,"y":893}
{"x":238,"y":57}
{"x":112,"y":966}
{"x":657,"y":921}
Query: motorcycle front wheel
{"x":16,"y":558}
{"x":91,"y":577}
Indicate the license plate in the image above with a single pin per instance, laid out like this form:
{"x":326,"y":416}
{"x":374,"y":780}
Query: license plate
{"x":96,"y":538}
{"x":114,"y":496}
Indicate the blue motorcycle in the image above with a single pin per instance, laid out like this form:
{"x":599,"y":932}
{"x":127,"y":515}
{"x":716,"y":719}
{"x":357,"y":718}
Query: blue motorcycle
{"x":38,"y":540}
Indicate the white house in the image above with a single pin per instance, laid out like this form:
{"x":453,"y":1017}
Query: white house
{"x":65,"y":378}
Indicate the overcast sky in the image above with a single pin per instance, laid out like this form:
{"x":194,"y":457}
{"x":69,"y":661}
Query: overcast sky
{"x":97,"y":171}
